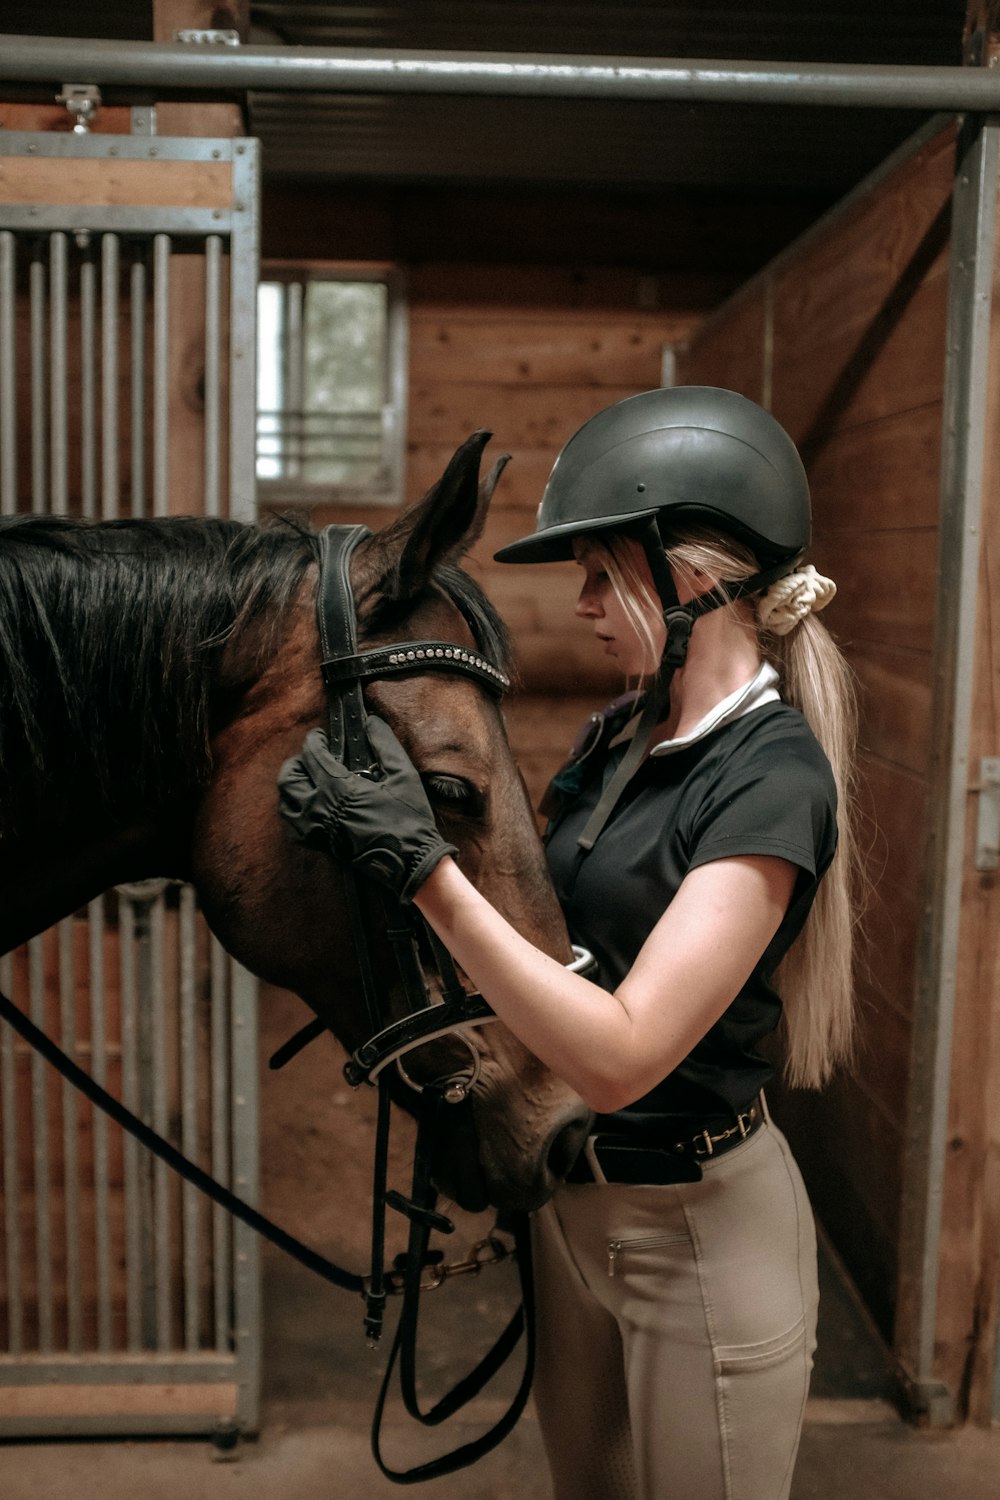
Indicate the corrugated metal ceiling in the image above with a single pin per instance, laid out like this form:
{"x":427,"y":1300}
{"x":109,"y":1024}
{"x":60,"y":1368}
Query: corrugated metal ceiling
{"x":399,"y":139}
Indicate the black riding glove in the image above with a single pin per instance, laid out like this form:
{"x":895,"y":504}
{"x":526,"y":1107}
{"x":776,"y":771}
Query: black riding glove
{"x":384,"y":828}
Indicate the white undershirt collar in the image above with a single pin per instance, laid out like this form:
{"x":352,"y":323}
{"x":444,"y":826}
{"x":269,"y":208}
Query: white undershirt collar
{"x":762,"y":688}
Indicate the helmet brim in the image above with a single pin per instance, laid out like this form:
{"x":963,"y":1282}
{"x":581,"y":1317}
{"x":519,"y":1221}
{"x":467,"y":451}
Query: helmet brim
{"x":555,"y":543}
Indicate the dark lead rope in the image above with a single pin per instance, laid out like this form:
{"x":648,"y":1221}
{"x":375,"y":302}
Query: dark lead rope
{"x":422,"y":1221}
{"x":182,"y":1164}
{"x":404,"y":1344}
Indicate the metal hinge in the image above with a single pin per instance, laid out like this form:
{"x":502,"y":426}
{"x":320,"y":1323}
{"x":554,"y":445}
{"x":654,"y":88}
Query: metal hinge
{"x":988,"y":819}
{"x":83,"y":100}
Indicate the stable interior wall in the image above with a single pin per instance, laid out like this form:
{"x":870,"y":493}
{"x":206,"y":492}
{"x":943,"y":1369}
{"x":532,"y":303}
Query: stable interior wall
{"x":843,"y":338}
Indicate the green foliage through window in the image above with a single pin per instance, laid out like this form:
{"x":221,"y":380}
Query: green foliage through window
{"x":326,"y":415}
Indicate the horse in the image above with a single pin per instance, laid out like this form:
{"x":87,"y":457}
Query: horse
{"x":156,"y":675}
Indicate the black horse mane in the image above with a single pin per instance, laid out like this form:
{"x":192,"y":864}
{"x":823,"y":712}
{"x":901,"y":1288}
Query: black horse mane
{"x":111,"y":636}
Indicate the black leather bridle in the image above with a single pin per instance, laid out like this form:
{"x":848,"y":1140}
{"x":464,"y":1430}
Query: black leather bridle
{"x":345,"y":670}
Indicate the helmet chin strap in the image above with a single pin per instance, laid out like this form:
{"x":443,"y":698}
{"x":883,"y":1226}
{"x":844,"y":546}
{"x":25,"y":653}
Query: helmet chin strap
{"x":678,"y":620}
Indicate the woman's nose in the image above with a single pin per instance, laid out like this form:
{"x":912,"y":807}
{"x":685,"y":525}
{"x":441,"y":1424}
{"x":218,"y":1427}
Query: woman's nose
{"x":588,"y":605}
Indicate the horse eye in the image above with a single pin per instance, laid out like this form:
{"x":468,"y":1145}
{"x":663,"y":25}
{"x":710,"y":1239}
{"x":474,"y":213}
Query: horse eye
{"x":454,"y":794}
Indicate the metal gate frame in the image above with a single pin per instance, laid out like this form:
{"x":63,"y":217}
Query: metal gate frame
{"x":156,"y":1383}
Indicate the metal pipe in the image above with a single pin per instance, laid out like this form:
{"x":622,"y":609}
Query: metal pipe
{"x":8,"y":374}
{"x":190,"y":1198}
{"x":36,"y":294}
{"x":246,"y":1178}
{"x":964,"y":444}
{"x":58,"y":412}
{"x":161,"y":375}
{"x":162,"y":66}
{"x":244,"y":274}
{"x":213,"y":367}
{"x":88,"y":386}
{"x":136,"y":1215}
{"x":102,"y":1178}
{"x":109,"y":377}
{"x":156,"y":997}
{"x":40,"y":1153}
{"x":221,"y":1228}
{"x":138,"y":433}
{"x":11,"y":1174}
{"x":71,"y":1157}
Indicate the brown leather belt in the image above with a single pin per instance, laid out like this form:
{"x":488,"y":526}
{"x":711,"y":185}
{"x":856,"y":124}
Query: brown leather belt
{"x":614,"y":1158}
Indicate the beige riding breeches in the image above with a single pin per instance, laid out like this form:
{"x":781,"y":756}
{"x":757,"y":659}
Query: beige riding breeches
{"x":676,"y":1329}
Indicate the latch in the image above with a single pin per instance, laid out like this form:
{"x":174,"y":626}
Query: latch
{"x":988,"y":819}
{"x":83,"y":100}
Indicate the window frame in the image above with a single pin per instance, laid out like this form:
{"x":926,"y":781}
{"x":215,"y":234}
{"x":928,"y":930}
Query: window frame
{"x":288,"y":491}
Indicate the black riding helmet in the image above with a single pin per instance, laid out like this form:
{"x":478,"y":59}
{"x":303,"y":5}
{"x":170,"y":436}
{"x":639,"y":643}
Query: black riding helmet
{"x":688,"y":454}
{"x":664,"y":461}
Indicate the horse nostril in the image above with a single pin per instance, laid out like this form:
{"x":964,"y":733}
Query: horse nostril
{"x":567,"y":1143}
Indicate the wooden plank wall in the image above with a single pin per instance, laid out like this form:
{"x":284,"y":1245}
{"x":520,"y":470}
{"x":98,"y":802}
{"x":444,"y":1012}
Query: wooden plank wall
{"x":843,"y":337}
{"x":530,"y":352}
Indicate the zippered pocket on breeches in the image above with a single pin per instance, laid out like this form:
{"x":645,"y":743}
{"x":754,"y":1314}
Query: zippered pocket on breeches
{"x":619,"y":1247}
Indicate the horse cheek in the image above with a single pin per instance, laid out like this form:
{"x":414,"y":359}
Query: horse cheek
{"x":254,"y":887}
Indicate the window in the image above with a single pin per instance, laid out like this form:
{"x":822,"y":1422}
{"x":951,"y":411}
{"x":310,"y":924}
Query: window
{"x":331,"y":384}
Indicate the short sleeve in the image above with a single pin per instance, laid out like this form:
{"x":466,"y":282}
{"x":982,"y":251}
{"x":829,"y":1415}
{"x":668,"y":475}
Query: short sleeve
{"x":776,"y":796}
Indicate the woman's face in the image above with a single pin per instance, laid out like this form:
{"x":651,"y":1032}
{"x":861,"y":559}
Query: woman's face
{"x":617,"y":634}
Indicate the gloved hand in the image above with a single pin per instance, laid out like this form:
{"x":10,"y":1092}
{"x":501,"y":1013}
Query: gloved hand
{"x":384,"y":828}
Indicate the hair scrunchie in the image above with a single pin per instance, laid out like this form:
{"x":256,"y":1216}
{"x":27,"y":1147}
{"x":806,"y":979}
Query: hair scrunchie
{"x":791,"y":598}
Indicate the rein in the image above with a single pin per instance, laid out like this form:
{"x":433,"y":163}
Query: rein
{"x":344,"y":669}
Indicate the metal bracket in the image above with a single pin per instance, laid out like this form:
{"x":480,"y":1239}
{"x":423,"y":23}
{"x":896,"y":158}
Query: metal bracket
{"x":928,"y":1403}
{"x":988,"y":819}
{"x":83,"y":100}
{"x":195,"y":38}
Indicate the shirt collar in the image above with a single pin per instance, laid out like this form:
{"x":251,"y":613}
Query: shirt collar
{"x":762,"y":688}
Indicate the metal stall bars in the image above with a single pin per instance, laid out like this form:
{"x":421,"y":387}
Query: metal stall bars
{"x":127,"y":1305}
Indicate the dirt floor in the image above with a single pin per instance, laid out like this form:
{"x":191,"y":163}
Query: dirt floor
{"x":319,"y":1388}
{"x":320,"y":1379}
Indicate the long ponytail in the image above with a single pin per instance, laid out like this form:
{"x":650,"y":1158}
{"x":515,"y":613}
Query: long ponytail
{"x":816,"y":977}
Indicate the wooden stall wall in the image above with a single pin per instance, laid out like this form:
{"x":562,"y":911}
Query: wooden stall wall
{"x":843,"y":338}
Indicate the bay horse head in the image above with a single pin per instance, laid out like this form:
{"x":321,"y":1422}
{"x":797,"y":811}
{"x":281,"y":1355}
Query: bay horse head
{"x":156,"y":676}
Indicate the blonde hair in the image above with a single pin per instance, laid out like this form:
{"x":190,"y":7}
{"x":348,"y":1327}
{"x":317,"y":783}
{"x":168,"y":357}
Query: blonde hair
{"x":816,"y":977}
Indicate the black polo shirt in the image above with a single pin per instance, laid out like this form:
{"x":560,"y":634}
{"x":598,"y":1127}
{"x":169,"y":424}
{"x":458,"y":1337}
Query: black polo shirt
{"x":758,"y":785}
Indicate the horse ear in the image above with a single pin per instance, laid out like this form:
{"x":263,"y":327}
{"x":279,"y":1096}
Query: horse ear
{"x":439,"y":528}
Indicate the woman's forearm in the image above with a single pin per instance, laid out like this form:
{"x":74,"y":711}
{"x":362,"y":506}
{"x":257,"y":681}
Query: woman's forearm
{"x":613,"y":1048}
{"x":584,"y":1034}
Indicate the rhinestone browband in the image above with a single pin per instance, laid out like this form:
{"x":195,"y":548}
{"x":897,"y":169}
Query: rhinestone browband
{"x":415,"y":656}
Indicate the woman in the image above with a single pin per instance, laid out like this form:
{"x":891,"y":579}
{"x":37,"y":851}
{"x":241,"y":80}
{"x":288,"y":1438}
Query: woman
{"x":676,"y":1269}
